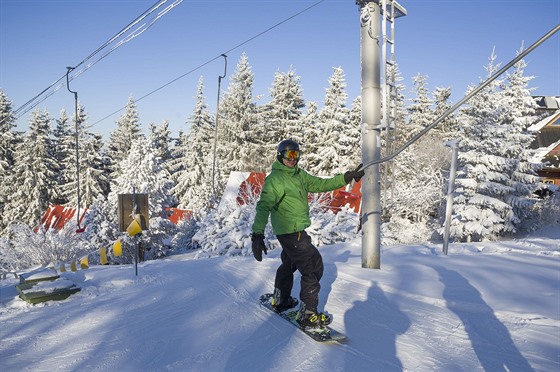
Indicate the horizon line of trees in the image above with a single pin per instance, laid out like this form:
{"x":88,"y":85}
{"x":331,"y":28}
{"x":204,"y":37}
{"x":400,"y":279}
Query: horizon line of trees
{"x":495,"y":180}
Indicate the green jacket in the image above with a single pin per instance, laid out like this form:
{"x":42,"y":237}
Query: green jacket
{"x":284,"y":198}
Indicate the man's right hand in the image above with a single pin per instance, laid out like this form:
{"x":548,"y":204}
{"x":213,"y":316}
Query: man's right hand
{"x":258,"y":246}
{"x":355,"y":175}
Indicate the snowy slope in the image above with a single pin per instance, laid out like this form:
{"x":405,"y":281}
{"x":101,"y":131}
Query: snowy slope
{"x":485,"y":306}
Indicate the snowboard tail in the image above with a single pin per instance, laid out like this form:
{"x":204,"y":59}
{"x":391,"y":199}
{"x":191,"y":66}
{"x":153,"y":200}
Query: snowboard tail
{"x":324,"y":334}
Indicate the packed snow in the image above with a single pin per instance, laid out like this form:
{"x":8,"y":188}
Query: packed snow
{"x":484,"y":306}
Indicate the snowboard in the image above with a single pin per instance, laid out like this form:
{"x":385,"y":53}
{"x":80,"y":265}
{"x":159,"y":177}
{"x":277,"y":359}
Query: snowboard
{"x":325,"y":334}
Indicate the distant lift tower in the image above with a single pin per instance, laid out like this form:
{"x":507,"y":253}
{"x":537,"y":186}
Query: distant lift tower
{"x":390,"y":10}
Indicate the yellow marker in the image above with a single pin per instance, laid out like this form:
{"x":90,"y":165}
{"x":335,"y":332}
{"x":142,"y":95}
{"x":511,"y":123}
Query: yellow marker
{"x":62,"y":268}
{"x":134,"y":227}
{"x":73,"y":265}
{"x":103,"y":256}
{"x":117,"y":248}
{"x":84,"y":263}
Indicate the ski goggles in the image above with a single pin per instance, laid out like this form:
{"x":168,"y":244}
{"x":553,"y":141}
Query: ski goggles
{"x":291,"y":154}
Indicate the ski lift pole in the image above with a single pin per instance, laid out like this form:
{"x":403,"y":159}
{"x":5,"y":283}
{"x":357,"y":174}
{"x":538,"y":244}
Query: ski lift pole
{"x":449,"y":206}
{"x":68,"y":69}
{"x":216,"y":130}
{"x":371,"y":120}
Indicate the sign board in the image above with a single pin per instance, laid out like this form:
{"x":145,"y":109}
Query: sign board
{"x":131,"y":205}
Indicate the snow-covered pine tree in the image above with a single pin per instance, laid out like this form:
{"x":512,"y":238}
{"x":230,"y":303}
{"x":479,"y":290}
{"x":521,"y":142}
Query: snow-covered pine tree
{"x":420,"y":112}
{"x":355,"y":134}
{"x":186,"y":229}
{"x":418,"y":172}
{"x":193,"y":178}
{"x":161,"y":138}
{"x":67,"y":185}
{"x":310,"y":135}
{"x":7,"y":137}
{"x":237,"y":121}
{"x":521,"y":114}
{"x":7,"y":149}
{"x":176,"y":164}
{"x":93,"y":176}
{"x":32,"y":178}
{"x":96,"y":177}
{"x":334,"y":145}
{"x":448,"y":129}
{"x":63,"y":141}
{"x":141,"y":173}
{"x":486,"y":164}
{"x":283,"y":114}
{"x":102,"y":228}
{"x":128,"y":130}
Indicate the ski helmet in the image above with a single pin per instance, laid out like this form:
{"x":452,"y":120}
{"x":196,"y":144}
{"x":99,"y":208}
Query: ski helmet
{"x":286,"y":145}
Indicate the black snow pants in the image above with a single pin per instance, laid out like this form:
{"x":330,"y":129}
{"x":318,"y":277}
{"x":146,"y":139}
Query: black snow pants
{"x":298,"y":253}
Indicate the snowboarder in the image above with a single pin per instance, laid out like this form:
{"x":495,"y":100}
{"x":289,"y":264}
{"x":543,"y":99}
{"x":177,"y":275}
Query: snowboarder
{"x":284,"y":198}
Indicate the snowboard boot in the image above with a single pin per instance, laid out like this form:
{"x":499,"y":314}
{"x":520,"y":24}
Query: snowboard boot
{"x":308,"y":319}
{"x":280,"y":305}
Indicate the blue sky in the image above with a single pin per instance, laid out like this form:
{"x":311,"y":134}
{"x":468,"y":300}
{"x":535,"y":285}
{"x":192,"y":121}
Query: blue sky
{"x":449,"y":41}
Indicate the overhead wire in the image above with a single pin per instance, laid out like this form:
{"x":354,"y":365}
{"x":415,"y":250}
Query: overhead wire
{"x":213,"y":59}
{"x":45,"y":93}
{"x":140,"y":30}
{"x":33,"y":102}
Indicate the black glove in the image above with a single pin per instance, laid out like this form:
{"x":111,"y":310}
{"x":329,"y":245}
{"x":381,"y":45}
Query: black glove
{"x":258,"y":246}
{"x":356,"y":174}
